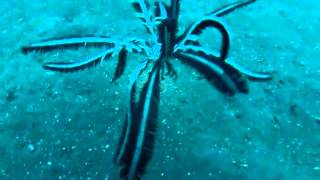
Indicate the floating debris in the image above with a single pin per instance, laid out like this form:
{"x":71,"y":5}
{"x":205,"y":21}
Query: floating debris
{"x":31,"y":147}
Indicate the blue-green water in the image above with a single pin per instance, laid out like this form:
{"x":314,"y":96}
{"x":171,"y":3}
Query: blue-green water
{"x":67,"y":126}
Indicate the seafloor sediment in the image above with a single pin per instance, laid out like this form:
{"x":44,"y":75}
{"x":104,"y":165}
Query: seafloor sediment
{"x":67,"y":126}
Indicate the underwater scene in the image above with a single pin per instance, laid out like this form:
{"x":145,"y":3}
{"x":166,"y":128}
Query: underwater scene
{"x":160,"y":89}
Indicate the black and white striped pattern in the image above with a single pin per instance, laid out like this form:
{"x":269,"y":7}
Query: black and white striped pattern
{"x":123,"y":143}
{"x":138,"y":138}
{"x":258,"y":76}
{"x":68,"y":42}
{"x":81,"y":64}
{"x":189,"y":44}
{"x":231,"y":7}
{"x":190,"y":37}
{"x":113,"y":45}
{"x":226,"y":79}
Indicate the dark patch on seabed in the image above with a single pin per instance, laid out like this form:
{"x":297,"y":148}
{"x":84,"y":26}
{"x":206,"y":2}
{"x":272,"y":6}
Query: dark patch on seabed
{"x":67,"y":126}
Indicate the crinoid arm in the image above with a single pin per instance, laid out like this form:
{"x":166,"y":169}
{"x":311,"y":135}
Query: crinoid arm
{"x":144,"y":13}
{"x":229,"y":8}
{"x":122,"y":61}
{"x":213,"y":57}
{"x":167,"y":28}
{"x":68,"y":42}
{"x":225,"y":78}
{"x":256,"y":76}
{"x":189,"y":44}
{"x":132,"y":44}
{"x":170,"y":70}
{"x":173,"y":16}
{"x":113,"y":45}
{"x":161,"y":11}
{"x":168,"y":14}
{"x":138,"y":137}
{"x":175,"y":9}
{"x":189,"y":40}
{"x":81,"y":64}
{"x":126,"y":131}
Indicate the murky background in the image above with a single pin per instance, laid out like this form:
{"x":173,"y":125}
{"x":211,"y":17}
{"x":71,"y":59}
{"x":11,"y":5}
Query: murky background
{"x":66,"y":126}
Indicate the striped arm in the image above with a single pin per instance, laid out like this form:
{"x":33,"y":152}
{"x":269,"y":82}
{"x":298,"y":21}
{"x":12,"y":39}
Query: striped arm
{"x":123,"y":142}
{"x":68,"y":42}
{"x":138,"y":136}
{"x":226,"y":79}
{"x":230,"y":8}
{"x":257,"y":76}
{"x":175,"y":9}
{"x":213,"y":56}
{"x":81,"y":64}
{"x":132,"y":44}
{"x":189,"y":40}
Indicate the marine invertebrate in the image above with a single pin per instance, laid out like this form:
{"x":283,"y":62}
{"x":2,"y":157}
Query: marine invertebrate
{"x":137,"y":140}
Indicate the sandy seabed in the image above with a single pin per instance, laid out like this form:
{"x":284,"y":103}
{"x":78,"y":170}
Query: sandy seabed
{"x":66,"y":126}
